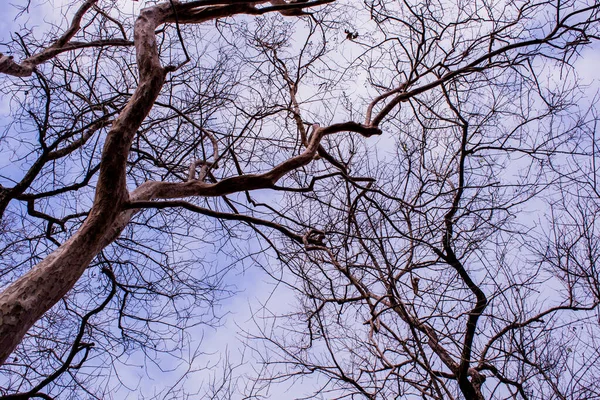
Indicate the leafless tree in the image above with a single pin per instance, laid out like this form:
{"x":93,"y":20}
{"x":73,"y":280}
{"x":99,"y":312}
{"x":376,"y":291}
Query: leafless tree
{"x":431,"y":167}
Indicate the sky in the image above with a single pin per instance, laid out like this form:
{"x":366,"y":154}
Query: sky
{"x":255,"y":288}
{"x":252,"y":284}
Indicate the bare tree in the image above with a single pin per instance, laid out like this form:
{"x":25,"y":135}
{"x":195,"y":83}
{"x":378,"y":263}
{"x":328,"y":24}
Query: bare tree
{"x":458,"y":250}
{"x":454,"y":257}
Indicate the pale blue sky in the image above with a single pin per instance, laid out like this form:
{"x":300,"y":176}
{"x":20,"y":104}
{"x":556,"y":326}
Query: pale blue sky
{"x":254,"y":285}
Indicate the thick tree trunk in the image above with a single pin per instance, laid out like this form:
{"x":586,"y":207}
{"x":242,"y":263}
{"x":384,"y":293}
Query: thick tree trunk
{"x":26,"y":300}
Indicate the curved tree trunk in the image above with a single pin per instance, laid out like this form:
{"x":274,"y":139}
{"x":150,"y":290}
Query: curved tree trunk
{"x":27,"y":299}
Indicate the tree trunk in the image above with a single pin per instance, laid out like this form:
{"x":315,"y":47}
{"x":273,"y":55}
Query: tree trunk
{"x":27,"y":299}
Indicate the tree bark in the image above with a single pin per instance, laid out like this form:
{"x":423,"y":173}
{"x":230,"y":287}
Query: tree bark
{"x":27,"y":299}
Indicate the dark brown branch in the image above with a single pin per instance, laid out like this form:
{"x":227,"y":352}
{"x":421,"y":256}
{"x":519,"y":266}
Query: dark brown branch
{"x":215,"y":214}
{"x":77,"y":346}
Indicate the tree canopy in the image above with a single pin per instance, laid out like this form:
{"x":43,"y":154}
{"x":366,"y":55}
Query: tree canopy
{"x":419,"y":176}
